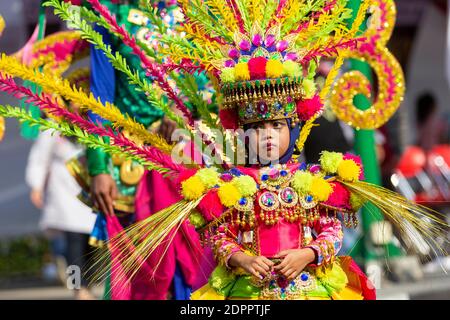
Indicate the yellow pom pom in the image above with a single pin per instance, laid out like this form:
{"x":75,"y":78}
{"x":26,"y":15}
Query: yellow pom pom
{"x":227,"y":75}
{"x":320,"y":189}
{"x":274,"y":69}
{"x":330,"y":161}
{"x":310,"y":88}
{"x":245,"y":185}
{"x":192,"y":188}
{"x":208,"y":176}
{"x":349,"y":170}
{"x":228,"y":194}
{"x":301,"y":182}
{"x":292,"y":69}
{"x":241,"y":71}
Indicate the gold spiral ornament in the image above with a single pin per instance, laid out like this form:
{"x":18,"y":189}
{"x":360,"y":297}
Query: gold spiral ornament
{"x":391,"y":82}
{"x":131,"y":173}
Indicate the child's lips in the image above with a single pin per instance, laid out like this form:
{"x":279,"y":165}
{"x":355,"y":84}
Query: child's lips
{"x":270,"y":146}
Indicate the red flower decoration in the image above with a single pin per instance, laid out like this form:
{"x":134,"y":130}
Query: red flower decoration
{"x":210,"y":206}
{"x":257,"y":68}
{"x":340,"y":197}
{"x":229,"y":118}
{"x":185,"y":174}
{"x":309,"y":107}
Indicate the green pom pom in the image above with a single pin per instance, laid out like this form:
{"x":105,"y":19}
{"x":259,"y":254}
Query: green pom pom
{"x":329,"y":161}
{"x":291,"y":69}
{"x":227,"y":75}
{"x":245,"y":185}
{"x":302,"y":182}
{"x":310,"y":88}
{"x":356,"y":202}
{"x":208,"y":176}
{"x":197,"y":220}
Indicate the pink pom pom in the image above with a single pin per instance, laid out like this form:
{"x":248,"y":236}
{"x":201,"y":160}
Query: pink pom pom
{"x":210,"y":206}
{"x":357,"y":159}
{"x":340,"y":197}
{"x":309,"y":107}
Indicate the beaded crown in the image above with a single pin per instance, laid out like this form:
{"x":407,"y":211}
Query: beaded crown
{"x":263,"y":53}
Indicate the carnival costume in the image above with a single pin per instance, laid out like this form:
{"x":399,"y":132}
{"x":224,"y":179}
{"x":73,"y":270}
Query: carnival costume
{"x":261,"y":57}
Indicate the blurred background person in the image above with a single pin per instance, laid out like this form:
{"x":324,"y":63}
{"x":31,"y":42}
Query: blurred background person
{"x":65,"y":220}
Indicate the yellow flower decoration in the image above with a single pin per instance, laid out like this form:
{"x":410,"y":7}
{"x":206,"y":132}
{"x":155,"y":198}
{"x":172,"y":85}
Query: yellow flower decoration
{"x":192,"y":188}
{"x":349,"y":170}
{"x":320,"y":189}
{"x":274,"y":69}
{"x":241,"y":72}
{"x":228,"y":194}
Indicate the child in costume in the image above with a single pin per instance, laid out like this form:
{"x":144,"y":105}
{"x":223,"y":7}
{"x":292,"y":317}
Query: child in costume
{"x":274,"y":228}
{"x":280,"y":243}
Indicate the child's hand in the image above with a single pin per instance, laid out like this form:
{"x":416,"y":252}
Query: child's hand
{"x":294,"y":261}
{"x":257,"y":266}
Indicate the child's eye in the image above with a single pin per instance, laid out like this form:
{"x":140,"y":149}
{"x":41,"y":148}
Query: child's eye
{"x":278,"y":124}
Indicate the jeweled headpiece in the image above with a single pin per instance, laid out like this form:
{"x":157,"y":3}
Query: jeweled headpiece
{"x":263,"y":53}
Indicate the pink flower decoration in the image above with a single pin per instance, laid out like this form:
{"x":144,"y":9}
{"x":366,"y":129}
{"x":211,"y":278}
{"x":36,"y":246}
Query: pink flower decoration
{"x":233,"y":53}
{"x":229,"y":63}
{"x":245,"y":45}
{"x":282,"y":45}
{"x":291,"y":56}
{"x":257,"y":40}
{"x":314,"y":169}
{"x":270,"y":40}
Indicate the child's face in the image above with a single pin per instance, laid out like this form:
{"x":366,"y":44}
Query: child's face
{"x":269,"y":139}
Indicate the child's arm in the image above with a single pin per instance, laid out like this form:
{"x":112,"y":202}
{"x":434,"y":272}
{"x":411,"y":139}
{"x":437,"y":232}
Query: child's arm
{"x":230,"y":254}
{"x":328,"y":241}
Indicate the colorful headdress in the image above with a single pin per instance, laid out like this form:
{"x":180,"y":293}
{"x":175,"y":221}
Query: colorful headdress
{"x":263,"y":53}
